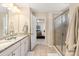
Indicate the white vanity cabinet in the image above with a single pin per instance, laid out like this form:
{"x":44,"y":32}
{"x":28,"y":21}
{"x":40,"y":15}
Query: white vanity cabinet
{"x":17,"y":49}
{"x":23,"y":47}
{"x":15,"y":52}
{"x":27,"y":45}
{"x":10,"y":50}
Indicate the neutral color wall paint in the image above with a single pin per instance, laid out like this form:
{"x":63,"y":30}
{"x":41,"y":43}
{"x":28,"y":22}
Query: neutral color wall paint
{"x":49,"y":28}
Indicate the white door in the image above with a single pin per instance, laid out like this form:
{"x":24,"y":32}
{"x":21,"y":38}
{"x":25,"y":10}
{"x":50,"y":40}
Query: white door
{"x":33,"y":31}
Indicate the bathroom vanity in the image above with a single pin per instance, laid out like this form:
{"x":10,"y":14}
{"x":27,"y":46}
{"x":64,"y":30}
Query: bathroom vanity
{"x":12,"y":23}
{"x":15,"y":47}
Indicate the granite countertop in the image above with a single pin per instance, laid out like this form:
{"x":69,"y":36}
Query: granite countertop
{"x":4,"y":44}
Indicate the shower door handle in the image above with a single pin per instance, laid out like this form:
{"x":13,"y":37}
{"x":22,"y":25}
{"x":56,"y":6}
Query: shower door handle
{"x":62,"y":42}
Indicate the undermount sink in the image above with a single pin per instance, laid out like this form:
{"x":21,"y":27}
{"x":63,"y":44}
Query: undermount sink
{"x":10,"y":38}
{"x":6,"y":40}
{"x":3,"y":41}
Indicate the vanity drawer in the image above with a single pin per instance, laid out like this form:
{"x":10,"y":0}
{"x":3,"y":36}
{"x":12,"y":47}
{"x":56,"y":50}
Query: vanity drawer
{"x":10,"y":49}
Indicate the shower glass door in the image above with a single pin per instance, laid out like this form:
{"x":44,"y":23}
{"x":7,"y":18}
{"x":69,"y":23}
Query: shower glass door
{"x":60,"y":31}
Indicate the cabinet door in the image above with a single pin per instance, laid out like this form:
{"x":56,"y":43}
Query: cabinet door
{"x":16,"y":52}
{"x":26,"y":46}
{"x":8,"y":51}
{"x":22,"y":49}
{"x":23,"y":46}
{"x":29,"y":43}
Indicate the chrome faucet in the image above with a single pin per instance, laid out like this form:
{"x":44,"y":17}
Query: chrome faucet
{"x":10,"y":35}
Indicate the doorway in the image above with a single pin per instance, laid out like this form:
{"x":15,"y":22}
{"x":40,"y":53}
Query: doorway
{"x":40,"y":29}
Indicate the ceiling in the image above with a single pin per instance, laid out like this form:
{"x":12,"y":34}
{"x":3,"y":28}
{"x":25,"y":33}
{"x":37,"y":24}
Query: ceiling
{"x":45,"y":7}
{"x":3,"y":10}
{"x":41,"y":7}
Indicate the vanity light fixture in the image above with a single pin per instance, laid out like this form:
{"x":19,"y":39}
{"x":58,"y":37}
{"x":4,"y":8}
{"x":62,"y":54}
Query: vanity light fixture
{"x":11,"y":7}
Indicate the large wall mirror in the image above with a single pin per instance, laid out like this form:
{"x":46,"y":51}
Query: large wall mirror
{"x":3,"y":21}
{"x":13,"y":21}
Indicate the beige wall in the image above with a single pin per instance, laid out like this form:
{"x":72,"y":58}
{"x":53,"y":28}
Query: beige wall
{"x":50,"y":30}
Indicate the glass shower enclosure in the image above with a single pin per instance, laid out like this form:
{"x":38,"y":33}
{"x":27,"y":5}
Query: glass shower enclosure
{"x":60,"y":31}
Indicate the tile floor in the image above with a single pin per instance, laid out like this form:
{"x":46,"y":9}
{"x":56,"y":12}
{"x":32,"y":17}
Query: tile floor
{"x":42,"y":50}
